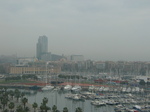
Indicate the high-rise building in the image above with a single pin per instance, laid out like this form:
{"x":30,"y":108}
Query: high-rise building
{"x":41,"y":47}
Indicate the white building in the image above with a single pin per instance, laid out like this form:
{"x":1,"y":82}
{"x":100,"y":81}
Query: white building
{"x":24,"y":61}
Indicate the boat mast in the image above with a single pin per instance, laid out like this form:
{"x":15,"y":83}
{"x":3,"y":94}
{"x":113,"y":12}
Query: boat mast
{"x":46,"y":72}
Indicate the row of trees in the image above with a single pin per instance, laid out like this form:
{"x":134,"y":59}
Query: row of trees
{"x":24,"y":77}
{"x":71,"y":76}
{"x":45,"y":108}
{"x":9,"y":102}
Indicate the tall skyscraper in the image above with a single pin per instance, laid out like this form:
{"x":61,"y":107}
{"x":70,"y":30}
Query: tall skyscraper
{"x":41,"y":47}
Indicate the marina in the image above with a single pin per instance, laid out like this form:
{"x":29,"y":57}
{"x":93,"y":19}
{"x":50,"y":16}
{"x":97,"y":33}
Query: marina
{"x":99,"y":99}
{"x":59,"y":99}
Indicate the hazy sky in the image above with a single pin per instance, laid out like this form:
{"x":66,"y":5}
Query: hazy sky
{"x":98,"y":29}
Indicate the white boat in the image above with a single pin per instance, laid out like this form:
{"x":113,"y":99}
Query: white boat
{"x":47,"y":87}
{"x":124,"y":89}
{"x":106,"y":89}
{"x":76,"y":88}
{"x":137,"y":107}
{"x":76,"y":97}
{"x":98,"y":103}
{"x":133,"y":89}
{"x":128,"y":89}
{"x":91,"y":88}
{"x":137,"y":89}
{"x":69,"y":96}
{"x":110,"y":102}
{"x":68,"y":87}
{"x":56,"y":89}
{"x":141,"y":90}
{"x":101,"y":89}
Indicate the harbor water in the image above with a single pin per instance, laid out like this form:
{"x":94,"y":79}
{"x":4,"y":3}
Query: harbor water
{"x":58,"y":98}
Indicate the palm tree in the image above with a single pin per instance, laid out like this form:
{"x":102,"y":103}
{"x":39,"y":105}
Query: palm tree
{"x":4,"y":102}
{"x":54,"y":108}
{"x":26,"y":109}
{"x":5,"y":95}
{"x":45,"y":100}
{"x":11,"y":105}
{"x":65,"y":109}
{"x":17,"y":94}
{"x":22,"y":94}
{"x":16,"y":91}
{"x":47,"y":108}
{"x":11,"y":94}
{"x":5,"y":89}
{"x":0,"y":106}
{"x":24,"y":101}
{"x":34,"y":105}
{"x":19,"y":109}
{"x":78,"y":109}
{"x":44,"y":107}
{"x":6,"y":110}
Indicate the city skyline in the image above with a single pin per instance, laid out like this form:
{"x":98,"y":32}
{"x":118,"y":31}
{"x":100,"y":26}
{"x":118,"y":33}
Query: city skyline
{"x":98,"y":30}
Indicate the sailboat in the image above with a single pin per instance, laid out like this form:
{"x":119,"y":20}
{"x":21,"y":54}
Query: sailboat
{"x":47,"y":87}
{"x":67,"y":87}
{"x":76,"y":88}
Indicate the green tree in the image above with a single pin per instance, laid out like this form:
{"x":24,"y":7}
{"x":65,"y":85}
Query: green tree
{"x":45,"y":100}
{"x":54,"y":108}
{"x":5,"y":89}
{"x":17,"y":94}
{"x":26,"y":109}
{"x":11,"y":106}
{"x":6,"y":110}
{"x":65,"y":109}
{"x":0,"y":106}
{"x":22,"y":94}
{"x":19,"y":109}
{"x":34,"y":105}
{"x":24,"y":101}
{"x":11,"y":93}
{"x":78,"y":109}
{"x":44,"y":107}
{"x":47,"y":108}
{"x":4,"y":102}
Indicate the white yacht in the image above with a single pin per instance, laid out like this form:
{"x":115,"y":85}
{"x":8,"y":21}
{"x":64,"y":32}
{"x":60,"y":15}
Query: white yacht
{"x":124,"y":89}
{"x":76,"y":97}
{"x":128,"y":89}
{"x":68,"y":87}
{"x":76,"y":88}
{"x":56,"y":88}
{"x":98,"y":103}
{"x":91,"y":88}
{"x":47,"y":87}
{"x":101,"y":89}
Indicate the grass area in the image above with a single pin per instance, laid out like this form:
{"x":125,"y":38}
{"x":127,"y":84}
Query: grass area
{"x":16,"y":81}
